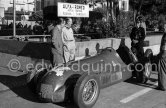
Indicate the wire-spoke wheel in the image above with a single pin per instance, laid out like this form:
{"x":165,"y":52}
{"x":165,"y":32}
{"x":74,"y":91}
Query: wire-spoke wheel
{"x":86,"y":91}
{"x":89,"y":91}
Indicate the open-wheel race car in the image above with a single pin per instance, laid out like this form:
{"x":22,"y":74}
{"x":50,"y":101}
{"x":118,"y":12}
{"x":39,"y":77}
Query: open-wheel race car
{"x":82,"y":80}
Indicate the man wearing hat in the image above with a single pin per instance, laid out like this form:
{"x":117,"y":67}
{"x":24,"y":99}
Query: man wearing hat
{"x":137,"y":37}
{"x":142,"y":23}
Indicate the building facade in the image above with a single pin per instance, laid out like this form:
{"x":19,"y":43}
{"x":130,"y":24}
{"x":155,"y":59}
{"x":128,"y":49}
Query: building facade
{"x":4,"y":4}
{"x":39,"y":5}
{"x":50,"y":9}
{"x":25,"y":5}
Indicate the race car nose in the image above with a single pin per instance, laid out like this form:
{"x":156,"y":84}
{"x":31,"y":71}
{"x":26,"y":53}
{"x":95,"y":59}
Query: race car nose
{"x":48,"y":94}
{"x":50,"y":88}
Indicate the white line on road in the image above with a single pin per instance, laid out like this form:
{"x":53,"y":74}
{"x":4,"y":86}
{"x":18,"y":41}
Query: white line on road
{"x":137,"y":94}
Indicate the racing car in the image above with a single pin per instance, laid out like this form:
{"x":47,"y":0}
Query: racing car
{"x":83,"y":79}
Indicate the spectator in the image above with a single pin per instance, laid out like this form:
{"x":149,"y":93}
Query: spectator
{"x":37,"y":29}
{"x":29,"y":30}
{"x":142,"y":23}
{"x":69,"y":41}
{"x":50,"y":27}
{"x":137,"y":37}
{"x":19,"y":25}
{"x":85,"y":26}
{"x":25,"y":26}
{"x":162,"y":63}
{"x":41,"y":28}
{"x":76,"y":26}
{"x":57,"y":44}
{"x":29,"y":27}
{"x":11,"y":25}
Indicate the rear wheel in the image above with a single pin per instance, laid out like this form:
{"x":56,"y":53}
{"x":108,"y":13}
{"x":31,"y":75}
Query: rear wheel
{"x":86,"y":91}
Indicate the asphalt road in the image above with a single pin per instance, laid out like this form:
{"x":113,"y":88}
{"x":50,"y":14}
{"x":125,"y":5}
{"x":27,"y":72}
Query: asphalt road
{"x":127,"y":94}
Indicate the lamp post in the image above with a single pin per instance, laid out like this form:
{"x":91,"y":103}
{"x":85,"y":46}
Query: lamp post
{"x":107,"y":18}
{"x":14,"y":18}
{"x":107,"y":11}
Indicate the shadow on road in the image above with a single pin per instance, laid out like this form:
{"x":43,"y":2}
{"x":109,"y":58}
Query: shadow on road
{"x":18,"y":85}
{"x":67,"y":105}
{"x":149,"y":85}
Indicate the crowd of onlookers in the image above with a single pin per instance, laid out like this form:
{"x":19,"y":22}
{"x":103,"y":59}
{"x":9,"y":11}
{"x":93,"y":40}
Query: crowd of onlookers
{"x":21,"y":29}
{"x":18,"y":26}
{"x":44,"y":28}
{"x":24,"y":29}
{"x":95,"y":29}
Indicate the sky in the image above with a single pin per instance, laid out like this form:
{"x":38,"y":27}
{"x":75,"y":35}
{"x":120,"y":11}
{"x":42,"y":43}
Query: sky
{"x":7,"y":3}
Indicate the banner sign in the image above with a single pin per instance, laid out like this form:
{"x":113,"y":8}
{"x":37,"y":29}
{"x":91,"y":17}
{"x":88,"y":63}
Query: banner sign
{"x":72,"y":10}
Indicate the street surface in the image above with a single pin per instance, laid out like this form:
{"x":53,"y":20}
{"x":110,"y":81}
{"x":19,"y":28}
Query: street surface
{"x":127,"y":94}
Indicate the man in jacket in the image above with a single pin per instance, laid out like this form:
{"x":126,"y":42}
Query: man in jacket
{"x":57,"y":44}
{"x":137,"y":37}
{"x":68,"y":41}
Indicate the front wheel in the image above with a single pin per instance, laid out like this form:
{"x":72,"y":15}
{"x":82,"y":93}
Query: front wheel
{"x":86,"y":91}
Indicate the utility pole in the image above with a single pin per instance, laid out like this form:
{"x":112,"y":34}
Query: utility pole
{"x":107,"y":11}
{"x":14,"y":18}
{"x":107,"y":18}
{"x":28,"y":4}
{"x":92,"y":1}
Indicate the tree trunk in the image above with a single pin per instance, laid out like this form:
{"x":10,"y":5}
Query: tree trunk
{"x":140,"y":6}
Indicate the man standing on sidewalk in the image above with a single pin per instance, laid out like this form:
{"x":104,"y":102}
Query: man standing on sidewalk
{"x":57,"y":44}
{"x":68,"y":41}
{"x":137,"y":37}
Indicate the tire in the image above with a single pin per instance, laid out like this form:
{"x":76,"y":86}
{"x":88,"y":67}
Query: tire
{"x":82,"y":98}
